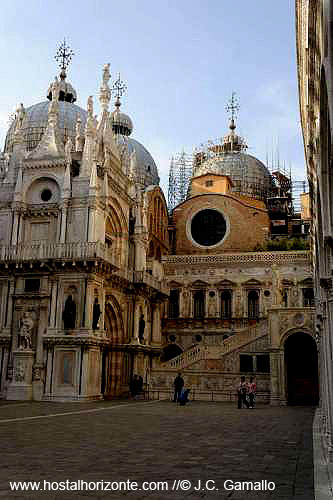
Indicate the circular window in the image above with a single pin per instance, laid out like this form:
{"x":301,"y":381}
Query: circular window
{"x":208,"y":227}
{"x":46,"y":195}
{"x":212,"y":294}
{"x":172,"y":338}
{"x":198,"y":338}
{"x":267,"y":293}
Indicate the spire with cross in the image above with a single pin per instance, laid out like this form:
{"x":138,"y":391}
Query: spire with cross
{"x":118,"y":89}
{"x":64,"y":57}
{"x":232,"y":108}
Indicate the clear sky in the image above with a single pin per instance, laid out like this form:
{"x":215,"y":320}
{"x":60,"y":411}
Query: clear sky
{"x":181,"y":59}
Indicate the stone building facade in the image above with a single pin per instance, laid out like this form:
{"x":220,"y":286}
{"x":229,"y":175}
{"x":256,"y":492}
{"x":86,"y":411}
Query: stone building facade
{"x":315,"y":81}
{"x":98,"y":282}
{"x":236,"y":308}
{"x":81,"y":283}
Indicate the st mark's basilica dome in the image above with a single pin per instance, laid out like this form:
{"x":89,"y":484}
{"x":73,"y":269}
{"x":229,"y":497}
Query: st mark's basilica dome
{"x":35,"y":122}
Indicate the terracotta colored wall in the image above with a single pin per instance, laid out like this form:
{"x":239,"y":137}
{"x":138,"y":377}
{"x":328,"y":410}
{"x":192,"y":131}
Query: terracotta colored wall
{"x":248,"y":225}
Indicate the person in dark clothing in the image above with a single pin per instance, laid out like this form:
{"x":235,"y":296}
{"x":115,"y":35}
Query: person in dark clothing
{"x":183,"y":398}
{"x":179,"y":384}
{"x":242,"y":391}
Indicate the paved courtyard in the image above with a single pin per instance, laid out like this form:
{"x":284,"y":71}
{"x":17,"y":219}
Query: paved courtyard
{"x":156,"y":442}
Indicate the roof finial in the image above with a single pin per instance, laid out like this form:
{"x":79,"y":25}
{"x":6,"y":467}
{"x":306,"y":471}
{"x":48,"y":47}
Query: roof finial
{"x":64,"y":57}
{"x":118,"y":89}
{"x":232,"y":108}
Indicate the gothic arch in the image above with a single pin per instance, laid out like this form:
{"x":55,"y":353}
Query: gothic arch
{"x":117,"y":212}
{"x":114,"y":320}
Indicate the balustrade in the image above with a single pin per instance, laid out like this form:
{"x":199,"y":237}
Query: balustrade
{"x":44,"y":251}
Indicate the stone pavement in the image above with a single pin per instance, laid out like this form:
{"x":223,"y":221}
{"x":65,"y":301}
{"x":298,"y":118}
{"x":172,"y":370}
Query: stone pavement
{"x":156,"y":441}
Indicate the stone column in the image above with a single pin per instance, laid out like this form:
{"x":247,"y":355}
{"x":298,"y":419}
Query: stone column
{"x":135,"y":332}
{"x":274,"y":363}
{"x":15,"y":227}
{"x":63,"y":226}
{"x":53,"y":304}
{"x":10,"y":303}
{"x":156,"y":329}
{"x":89,"y":303}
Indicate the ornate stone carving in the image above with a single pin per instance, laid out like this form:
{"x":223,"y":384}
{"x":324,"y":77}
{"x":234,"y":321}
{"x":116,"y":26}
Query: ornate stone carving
{"x":25,"y":333}
{"x":20,"y":371}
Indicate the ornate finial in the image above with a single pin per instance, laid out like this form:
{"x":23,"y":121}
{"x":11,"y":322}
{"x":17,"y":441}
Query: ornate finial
{"x":118,"y":89}
{"x":64,"y":57}
{"x":232,"y":108}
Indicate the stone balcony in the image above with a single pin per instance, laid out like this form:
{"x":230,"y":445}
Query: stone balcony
{"x":77,"y":251}
{"x":233,"y":324}
{"x":145,"y":278}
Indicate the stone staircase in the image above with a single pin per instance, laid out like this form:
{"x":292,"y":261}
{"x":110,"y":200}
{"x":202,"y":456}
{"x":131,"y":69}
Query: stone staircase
{"x":229,"y":345}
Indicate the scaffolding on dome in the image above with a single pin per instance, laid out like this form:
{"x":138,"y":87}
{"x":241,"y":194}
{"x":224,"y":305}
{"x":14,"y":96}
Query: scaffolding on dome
{"x":180,"y":173}
{"x":231,"y":151}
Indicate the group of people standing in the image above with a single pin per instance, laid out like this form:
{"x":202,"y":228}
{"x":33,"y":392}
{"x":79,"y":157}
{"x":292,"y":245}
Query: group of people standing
{"x":246,"y":393}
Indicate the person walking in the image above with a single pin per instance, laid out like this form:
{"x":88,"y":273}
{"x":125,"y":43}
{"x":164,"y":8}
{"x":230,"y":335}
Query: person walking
{"x":178,"y":384}
{"x":242,"y":390}
{"x":252,"y":392}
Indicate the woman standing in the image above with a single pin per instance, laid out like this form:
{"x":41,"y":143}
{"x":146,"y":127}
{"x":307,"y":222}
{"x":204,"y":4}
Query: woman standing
{"x":252,"y":392}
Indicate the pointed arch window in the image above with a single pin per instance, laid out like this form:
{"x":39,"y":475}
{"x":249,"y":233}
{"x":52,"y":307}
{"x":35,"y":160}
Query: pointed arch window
{"x":226,"y":304}
{"x":253,"y":304}
{"x":199,"y":304}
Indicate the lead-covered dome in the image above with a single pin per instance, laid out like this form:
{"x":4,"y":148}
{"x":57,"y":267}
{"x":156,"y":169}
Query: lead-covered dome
{"x":35,"y":123}
{"x":250,"y":177}
{"x":146,"y":169}
{"x":122,"y":126}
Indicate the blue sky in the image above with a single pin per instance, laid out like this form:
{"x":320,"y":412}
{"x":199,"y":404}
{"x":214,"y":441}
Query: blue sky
{"x":180,"y":59}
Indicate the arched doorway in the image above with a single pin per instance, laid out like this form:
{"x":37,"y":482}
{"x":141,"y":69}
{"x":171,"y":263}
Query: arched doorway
{"x":112,"y":373}
{"x":301,"y":361}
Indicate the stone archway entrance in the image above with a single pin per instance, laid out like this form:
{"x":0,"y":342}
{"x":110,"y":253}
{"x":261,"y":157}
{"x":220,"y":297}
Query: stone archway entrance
{"x":112,"y":357}
{"x":301,"y":361}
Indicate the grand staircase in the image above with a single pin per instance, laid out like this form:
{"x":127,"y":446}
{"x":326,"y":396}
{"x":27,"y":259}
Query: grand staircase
{"x":199,"y":352}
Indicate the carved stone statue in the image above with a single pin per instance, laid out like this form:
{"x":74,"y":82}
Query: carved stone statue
{"x":185,"y":304}
{"x":96,"y":314}
{"x":276,"y":284}
{"x":68,"y":151}
{"x":69,"y":313}
{"x":106,"y":73}
{"x":26,"y":325}
{"x":142,"y":325}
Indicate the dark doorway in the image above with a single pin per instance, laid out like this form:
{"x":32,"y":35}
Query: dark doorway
{"x":300,"y":353}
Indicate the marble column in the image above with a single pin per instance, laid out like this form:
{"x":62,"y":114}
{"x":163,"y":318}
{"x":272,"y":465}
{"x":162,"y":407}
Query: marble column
{"x":156,"y":329}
